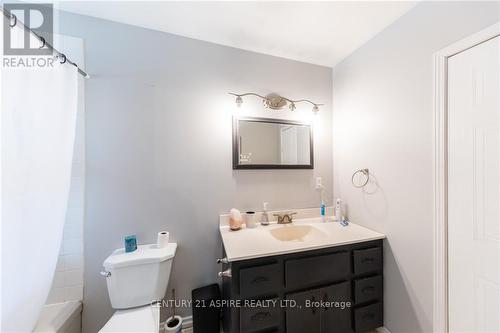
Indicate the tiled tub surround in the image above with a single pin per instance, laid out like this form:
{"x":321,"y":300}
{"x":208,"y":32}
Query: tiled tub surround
{"x":68,"y":279}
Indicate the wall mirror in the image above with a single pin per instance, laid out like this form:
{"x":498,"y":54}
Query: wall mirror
{"x":263,"y":143}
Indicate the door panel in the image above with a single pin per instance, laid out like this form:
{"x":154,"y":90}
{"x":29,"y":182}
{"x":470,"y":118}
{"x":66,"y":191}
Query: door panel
{"x":303,"y":318}
{"x":474,"y":189}
{"x":337,"y":318}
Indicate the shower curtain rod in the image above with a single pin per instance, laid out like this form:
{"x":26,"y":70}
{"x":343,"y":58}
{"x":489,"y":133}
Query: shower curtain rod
{"x":42,"y":40}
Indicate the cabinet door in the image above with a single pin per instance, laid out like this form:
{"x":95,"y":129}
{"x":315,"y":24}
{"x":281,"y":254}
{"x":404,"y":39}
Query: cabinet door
{"x":255,"y":319}
{"x":336,"y":312}
{"x":302,"y":317}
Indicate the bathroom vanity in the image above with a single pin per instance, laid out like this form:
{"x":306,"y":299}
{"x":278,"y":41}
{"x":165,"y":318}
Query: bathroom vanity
{"x":307,"y":276}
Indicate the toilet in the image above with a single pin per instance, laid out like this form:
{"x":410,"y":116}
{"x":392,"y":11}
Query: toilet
{"x":136,"y":281}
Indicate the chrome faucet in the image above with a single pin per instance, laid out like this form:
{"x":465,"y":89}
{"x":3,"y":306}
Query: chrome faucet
{"x":285,"y":218}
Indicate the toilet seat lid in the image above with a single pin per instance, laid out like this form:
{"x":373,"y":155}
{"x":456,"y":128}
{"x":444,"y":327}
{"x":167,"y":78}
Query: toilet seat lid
{"x":144,"y":319}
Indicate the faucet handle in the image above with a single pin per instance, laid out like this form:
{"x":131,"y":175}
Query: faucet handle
{"x":290,"y":215}
{"x":280,"y":217}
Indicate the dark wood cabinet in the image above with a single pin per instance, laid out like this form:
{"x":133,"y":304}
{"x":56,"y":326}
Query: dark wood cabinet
{"x":332,"y":290}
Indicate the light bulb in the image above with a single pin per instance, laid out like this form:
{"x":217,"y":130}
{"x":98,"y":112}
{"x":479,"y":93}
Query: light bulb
{"x":239,"y":101}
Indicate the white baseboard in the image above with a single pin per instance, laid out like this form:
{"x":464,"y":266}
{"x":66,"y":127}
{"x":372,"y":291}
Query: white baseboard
{"x":382,"y":330}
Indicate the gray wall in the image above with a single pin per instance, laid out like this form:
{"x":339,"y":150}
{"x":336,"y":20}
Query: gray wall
{"x":383,"y":120}
{"x":158,"y":138}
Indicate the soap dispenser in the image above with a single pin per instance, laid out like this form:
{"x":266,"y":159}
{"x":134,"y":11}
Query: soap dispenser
{"x":264,"y":219}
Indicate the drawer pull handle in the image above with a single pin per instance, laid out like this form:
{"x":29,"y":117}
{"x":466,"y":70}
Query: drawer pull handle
{"x":367,"y":260}
{"x":367,"y":289}
{"x":260,"y":279}
{"x":227,"y":273}
{"x":368,"y":316}
{"x":260,"y":316}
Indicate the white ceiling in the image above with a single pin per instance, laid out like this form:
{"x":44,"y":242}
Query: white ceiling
{"x":321,"y":33}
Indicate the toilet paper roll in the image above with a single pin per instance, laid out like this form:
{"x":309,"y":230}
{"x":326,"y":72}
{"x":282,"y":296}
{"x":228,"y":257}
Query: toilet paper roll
{"x":162,"y":239}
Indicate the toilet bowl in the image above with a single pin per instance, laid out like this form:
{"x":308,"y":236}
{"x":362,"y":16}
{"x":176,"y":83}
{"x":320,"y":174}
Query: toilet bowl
{"x":136,"y":281}
{"x":144,"y":319}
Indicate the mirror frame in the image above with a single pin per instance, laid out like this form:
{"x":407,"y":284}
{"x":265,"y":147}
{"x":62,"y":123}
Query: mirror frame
{"x":236,"y":148}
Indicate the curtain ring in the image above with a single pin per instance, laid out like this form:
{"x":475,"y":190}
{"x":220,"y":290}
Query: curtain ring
{"x":12,"y":16}
{"x":63,"y":57}
{"x":43,"y":42}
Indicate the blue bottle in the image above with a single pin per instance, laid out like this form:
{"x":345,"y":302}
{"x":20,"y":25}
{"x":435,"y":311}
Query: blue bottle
{"x":322,"y":207}
{"x":130,"y":243}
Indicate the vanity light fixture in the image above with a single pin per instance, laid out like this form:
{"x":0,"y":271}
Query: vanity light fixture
{"x":276,"y":102}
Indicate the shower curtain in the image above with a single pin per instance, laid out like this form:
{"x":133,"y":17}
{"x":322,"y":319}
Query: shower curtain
{"x":38,"y":115}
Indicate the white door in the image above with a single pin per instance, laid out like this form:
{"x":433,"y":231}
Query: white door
{"x":474,"y":189}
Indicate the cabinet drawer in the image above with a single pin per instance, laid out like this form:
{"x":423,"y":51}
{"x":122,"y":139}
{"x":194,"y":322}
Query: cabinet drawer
{"x":312,"y":270}
{"x":260,"y":280}
{"x":368,"y":260}
{"x":253,"y":319}
{"x":368,"y":289}
{"x":368,"y":317}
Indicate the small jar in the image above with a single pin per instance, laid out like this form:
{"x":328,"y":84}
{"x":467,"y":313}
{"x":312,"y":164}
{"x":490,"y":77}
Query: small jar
{"x":250,"y":221}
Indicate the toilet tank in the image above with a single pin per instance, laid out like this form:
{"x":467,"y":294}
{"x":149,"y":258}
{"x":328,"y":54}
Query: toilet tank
{"x":140,"y":277}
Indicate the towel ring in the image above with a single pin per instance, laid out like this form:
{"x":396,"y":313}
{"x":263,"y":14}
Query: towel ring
{"x":365,"y":172}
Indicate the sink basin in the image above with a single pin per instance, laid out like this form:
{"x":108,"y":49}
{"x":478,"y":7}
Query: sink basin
{"x":297,"y":233}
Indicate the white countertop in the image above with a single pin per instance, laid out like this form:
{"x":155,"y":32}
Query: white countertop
{"x":260,"y":242}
